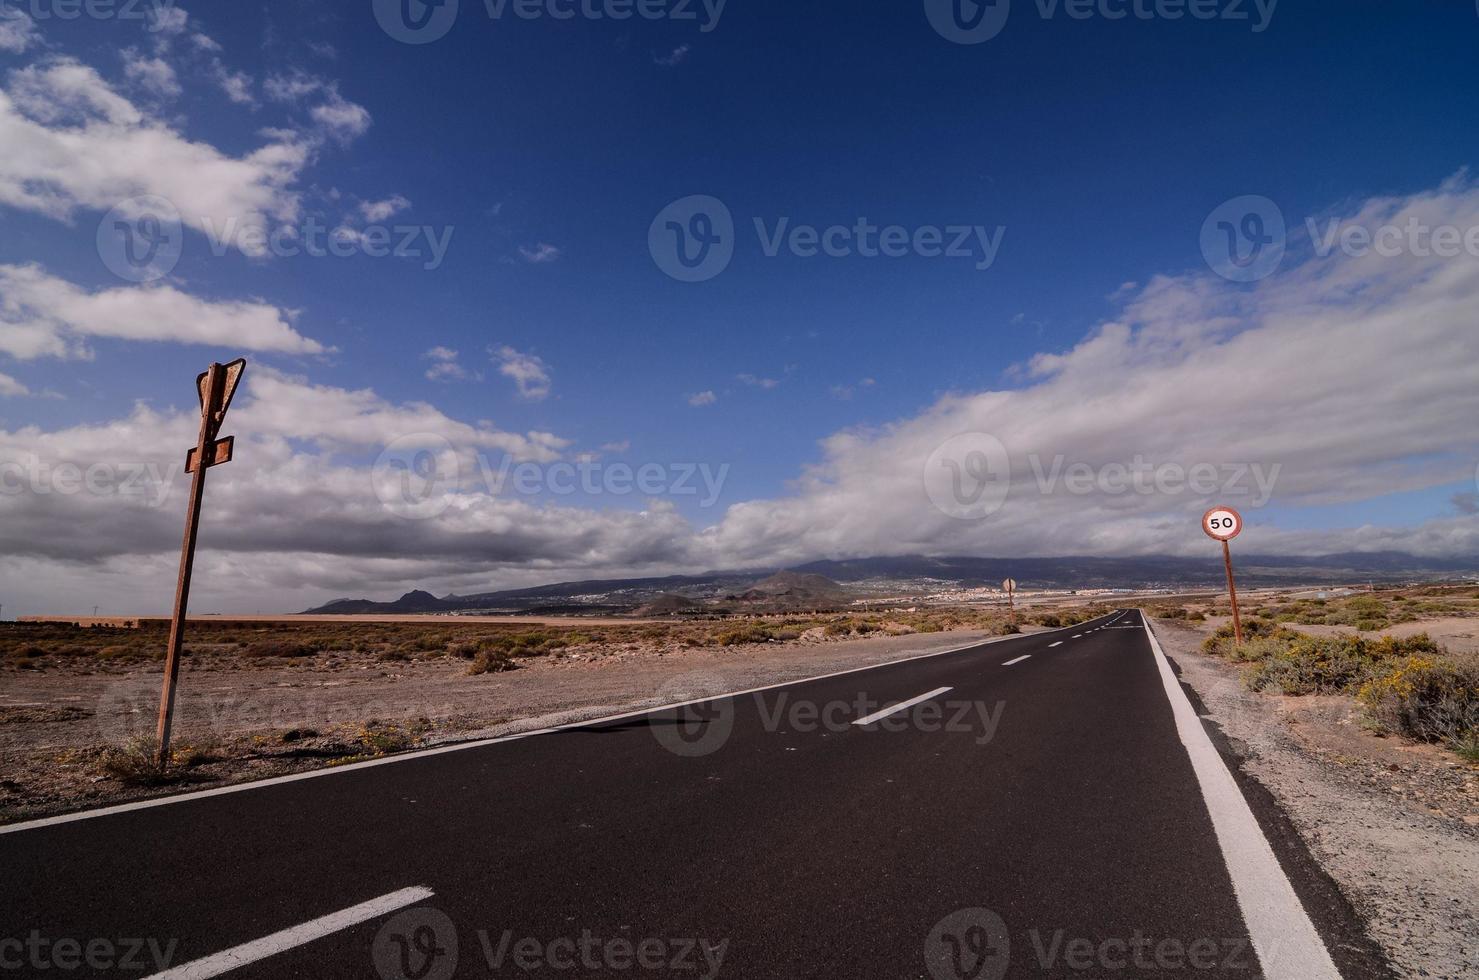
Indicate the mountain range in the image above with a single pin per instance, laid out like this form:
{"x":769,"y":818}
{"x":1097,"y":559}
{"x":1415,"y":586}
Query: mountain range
{"x":831,"y":584}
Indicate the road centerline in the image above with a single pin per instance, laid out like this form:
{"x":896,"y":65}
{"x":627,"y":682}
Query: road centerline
{"x":1058,"y":644}
{"x":902,"y":705}
{"x":299,"y":935}
{"x":1018,"y":660}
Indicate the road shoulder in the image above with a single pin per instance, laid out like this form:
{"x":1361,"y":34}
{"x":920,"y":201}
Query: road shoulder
{"x":1358,"y":855}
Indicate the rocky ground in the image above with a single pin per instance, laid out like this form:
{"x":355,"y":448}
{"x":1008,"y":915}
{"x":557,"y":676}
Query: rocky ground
{"x":1395,"y":825}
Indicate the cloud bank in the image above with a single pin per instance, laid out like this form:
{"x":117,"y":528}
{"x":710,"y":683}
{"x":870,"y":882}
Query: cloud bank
{"x":1347,"y":377}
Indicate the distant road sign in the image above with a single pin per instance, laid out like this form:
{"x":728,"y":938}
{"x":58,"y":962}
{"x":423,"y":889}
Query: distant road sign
{"x":1010,"y":585}
{"x":1222,"y":523}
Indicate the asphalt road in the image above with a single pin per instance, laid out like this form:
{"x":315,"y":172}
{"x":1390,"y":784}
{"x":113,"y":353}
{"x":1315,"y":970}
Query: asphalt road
{"x":1035,"y":813}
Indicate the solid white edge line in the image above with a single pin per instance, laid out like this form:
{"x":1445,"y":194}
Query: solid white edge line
{"x":895,"y":709}
{"x":259,"y":949}
{"x":1027,"y":656}
{"x":1287,"y":943}
{"x":109,"y":811}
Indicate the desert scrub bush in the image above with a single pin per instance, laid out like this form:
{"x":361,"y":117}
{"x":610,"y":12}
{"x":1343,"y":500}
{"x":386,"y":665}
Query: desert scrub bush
{"x":384,"y":739}
{"x":136,"y":762}
{"x":1258,"y":648}
{"x":1050,"y":620}
{"x":491,"y":661}
{"x":1196,"y":616}
{"x":745,"y":634}
{"x":1330,"y":664}
{"x":279,"y":648}
{"x":117,"y":651}
{"x":1222,"y":644}
{"x":1467,"y":748}
{"x":1429,"y":699}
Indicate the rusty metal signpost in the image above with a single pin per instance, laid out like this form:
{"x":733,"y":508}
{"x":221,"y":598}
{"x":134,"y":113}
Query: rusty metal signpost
{"x":1223,"y":524}
{"x":215,"y":387}
{"x":1010,"y":586}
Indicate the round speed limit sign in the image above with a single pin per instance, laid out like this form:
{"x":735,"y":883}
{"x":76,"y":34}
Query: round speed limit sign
{"x":1222,"y":523}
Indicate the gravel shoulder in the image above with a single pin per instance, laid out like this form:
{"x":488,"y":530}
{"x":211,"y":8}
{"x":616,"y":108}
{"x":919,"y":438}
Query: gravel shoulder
{"x":1394,"y":825}
{"x":245,"y":723}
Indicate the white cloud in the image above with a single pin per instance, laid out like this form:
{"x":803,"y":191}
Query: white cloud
{"x":292,"y":86}
{"x":527,"y":371}
{"x":539,"y":254}
{"x":702,"y":398}
{"x":17,"y":31}
{"x":846,"y":392}
{"x":236,"y":84}
{"x":445,"y":366}
{"x":168,"y":19}
{"x":757,"y":382}
{"x":292,"y":408}
{"x":154,"y":75}
{"x":1353,"y":374}
{"x":341,"y":119}
{"x":378,"y":211}
{"x":302,"y":490}
{"x":335,"y":116}
{"x":72,"y":142}
{"x":11,"y":388}
{"x":673,"y":58}
{"x":45,"y":316}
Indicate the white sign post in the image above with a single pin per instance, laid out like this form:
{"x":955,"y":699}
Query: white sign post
{"x":1224,"y":524}
{"x":1010,"y":585}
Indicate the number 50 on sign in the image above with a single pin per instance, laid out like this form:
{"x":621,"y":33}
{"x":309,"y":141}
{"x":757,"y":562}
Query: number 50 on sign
{"x":1222,"y":523}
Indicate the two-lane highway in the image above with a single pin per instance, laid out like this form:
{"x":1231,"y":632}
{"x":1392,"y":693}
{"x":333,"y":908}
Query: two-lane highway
{"x":1035,"y":806}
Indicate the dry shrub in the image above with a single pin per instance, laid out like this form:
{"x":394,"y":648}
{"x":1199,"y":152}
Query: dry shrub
{"x":279,"y":648}
{"x":1330,"y":664}
{"x":1427,"y":699}
{"x":136,"y":762}
{"x":491,"y":661}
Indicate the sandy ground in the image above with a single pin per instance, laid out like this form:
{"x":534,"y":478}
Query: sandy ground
{"x":280,"y":717}
{"x":1395,"y":825}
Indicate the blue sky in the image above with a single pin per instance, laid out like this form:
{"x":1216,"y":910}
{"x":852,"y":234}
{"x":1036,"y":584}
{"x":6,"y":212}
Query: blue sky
{"x":1096,"y":148}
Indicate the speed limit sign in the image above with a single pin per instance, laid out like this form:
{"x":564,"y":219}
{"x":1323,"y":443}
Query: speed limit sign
{"x":1222,"y":523}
